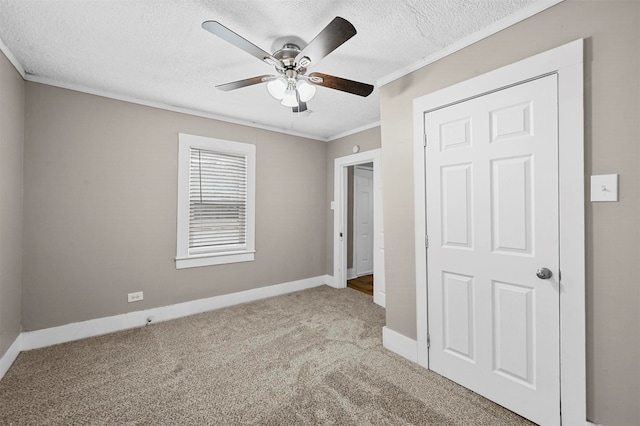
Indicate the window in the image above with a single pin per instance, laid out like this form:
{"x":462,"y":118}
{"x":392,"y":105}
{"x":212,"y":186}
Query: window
{"x":216,"y":201}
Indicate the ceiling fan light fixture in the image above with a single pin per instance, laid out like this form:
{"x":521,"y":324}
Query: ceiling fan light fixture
{"x":277,"y":88}
{"x":306,"y":91}
{"x":290,"y":99}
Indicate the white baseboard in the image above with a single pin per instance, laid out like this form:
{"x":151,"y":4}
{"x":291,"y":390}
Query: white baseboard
{"x":10,"y":355}
{"x":330,"y":281}
{"x":80,"y":330}
{"x":400,"y":344}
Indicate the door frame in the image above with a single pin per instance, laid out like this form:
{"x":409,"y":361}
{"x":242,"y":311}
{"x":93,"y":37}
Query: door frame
{"x":339,"y":206}
{"x":566,"y":62}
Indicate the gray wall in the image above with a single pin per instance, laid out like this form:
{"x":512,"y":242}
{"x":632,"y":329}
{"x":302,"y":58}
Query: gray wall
{"x":11,"y":142}
{"x":100,"y":189}
{"x":367,"y":140}
{"x":612,"y":137}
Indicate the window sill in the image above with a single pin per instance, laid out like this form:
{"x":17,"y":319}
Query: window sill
{"x":213,"y":259}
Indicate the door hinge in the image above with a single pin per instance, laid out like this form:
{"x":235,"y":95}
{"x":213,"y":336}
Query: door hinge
{"x":428,"y":341}
{"x":426,"y":241}
{"x":424,"y":140}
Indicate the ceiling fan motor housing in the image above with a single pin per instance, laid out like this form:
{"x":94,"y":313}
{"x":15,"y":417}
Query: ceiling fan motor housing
{"x":287,"y":56}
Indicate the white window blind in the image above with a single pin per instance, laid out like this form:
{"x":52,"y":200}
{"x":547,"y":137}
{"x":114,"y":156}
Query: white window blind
{"x":216,"y":210}
{"x":217,"y":201}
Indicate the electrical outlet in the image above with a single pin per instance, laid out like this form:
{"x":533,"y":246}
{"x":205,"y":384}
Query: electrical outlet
{"x":135,"y":297}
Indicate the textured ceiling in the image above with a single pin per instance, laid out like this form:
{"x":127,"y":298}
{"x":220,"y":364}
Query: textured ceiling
{"x":156,"y":51}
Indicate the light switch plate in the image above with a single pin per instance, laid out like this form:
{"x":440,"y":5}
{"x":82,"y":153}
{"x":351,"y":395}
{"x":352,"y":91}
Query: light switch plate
{"x":604,"y":188}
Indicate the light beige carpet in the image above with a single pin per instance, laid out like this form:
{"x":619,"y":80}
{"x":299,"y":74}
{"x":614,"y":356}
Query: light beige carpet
{"x":312,"y":357}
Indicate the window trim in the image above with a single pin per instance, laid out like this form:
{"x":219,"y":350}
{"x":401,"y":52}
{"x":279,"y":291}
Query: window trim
{"x":183,"y":259}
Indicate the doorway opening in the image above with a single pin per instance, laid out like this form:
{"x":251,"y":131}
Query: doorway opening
{"x":358,"y":233}
{"x":360,"y":228}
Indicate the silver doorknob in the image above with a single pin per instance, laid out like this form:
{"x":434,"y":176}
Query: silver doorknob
{"x":544,"y":273}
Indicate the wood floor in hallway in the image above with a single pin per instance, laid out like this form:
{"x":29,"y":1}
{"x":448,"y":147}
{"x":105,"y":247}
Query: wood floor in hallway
{"x":363,"y":284}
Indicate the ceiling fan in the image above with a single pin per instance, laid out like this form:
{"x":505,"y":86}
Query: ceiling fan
{"x":292,"y":85}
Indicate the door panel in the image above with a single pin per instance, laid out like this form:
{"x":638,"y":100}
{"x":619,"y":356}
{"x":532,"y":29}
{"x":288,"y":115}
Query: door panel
{"x":492,"y":221}
{"x":511,"y":197}
{"x":459,"y":326}
{"x":513,"y":324}
{"x":457,"y":217}
{"x":455,"y":134}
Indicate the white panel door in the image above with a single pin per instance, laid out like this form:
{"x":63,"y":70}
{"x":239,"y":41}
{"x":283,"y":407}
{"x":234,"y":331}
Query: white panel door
{"x":363,"y":223}
{"x":492,"y":222}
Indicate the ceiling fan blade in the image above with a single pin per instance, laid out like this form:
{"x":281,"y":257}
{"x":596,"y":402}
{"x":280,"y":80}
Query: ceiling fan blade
{"x":330,"y":38}
{"x":302,"y":107}
{"x":338,"y":83}
{"x":216,"y":28}
{"x":246,"y":82}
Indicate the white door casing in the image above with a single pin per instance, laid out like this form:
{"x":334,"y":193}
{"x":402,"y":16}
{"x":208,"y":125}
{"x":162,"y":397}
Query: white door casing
{"x":492,"y":220}
{"x":379,"y":280}
{"x":363,"y":220}
{"x":566,"y":63}
{"x":340,"y":221}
